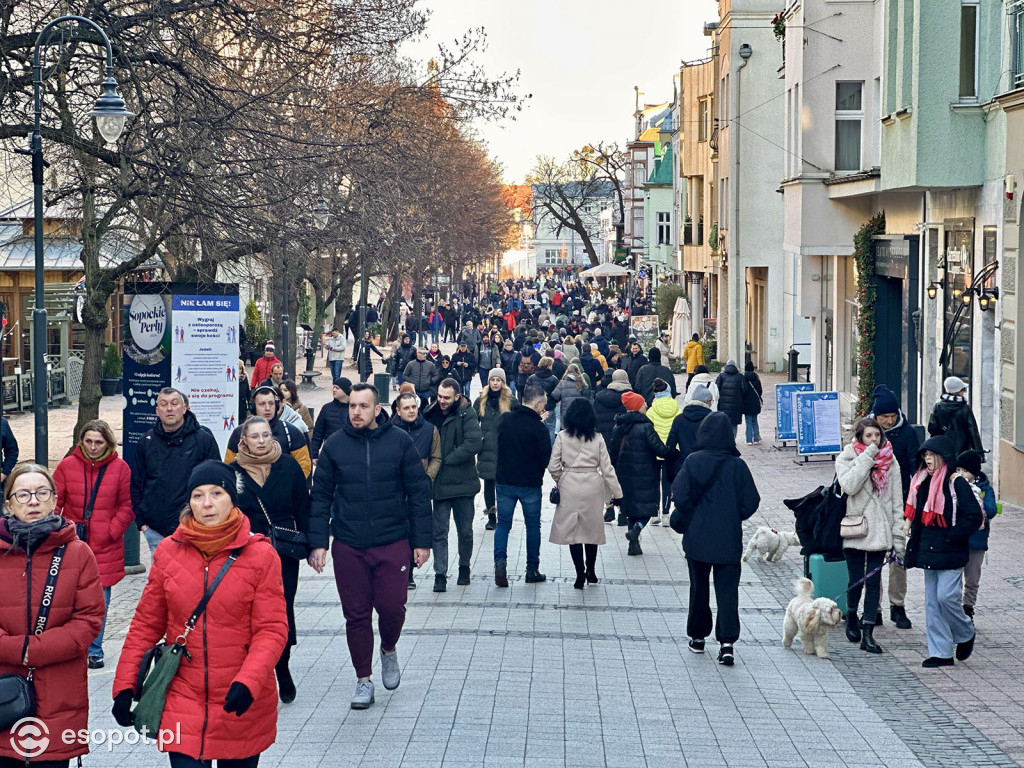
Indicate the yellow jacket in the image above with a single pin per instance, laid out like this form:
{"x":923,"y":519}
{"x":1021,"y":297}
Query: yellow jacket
{"x":662,"y":413}
{"x":694,"y":354}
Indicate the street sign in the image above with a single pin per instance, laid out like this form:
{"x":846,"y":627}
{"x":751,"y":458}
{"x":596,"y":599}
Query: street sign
{"x":817,"y":423}
{"x":785,"y":424}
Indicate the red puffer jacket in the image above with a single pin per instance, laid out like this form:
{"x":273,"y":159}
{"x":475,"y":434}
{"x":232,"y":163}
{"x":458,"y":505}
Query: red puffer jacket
{"x":58,"y":654}
{"x":75,"y":477}
{"x":239,"y":638}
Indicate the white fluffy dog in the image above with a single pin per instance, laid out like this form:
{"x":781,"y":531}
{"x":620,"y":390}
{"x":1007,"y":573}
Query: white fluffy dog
{"x":771,"y":544}
{"x":812,"y":618}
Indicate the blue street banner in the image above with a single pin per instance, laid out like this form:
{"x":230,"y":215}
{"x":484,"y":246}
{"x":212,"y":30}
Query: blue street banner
{"x":145,"y":359}
{"x":817,"y":423}
{"x":785,"y":424}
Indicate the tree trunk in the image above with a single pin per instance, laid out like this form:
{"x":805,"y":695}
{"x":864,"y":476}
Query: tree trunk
{"x":95,"y":345}
{"x":344,"y":302}
{"x":391,"y":312}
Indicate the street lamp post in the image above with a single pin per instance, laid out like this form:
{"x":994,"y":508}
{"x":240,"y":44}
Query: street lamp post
{"x":110,"y":114}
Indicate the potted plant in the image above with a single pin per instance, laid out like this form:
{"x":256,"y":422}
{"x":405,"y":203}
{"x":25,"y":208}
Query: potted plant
{"x":375,"y":329}
{"x":110,"y":371}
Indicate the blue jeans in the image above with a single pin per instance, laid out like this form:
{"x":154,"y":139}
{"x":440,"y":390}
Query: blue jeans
{"x":944,"y":617}
{"x":96,"y":646}
{"x":753,"y":431}
{"x":335,"y":366}
{"x":529,"y":497}
{"x":153,"y":539}
{"x":466,"y":385}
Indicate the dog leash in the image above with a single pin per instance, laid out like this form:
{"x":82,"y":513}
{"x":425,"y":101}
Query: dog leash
{"x":891,"y":557}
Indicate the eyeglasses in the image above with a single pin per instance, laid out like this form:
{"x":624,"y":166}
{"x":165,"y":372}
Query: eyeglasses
{"x":23,"y":496}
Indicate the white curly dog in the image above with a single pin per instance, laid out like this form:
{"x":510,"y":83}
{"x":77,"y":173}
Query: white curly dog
{"x":812,"y":617}
{"x":771,"y":544}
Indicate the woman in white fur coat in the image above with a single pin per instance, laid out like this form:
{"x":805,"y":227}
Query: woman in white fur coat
{"x":869,"y":475}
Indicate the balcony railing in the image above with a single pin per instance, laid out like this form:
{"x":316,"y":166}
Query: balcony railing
{"x":700,"y":232}
{"x":688,"y":233}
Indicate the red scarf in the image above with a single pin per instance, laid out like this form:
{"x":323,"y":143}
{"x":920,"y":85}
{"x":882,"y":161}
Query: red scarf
{"x":935,"y":505}
{"x":880,"y":471}
{"x":211,"y":539}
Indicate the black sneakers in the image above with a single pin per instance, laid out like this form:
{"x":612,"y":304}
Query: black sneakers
{"x":726,"y":655}
{"x":936,"y":661}
{"x":440,"y":583}
{"x":696,"y":645}
{"x":463,"y":579}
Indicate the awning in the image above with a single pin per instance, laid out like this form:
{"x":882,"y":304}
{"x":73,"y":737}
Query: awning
{"x":608,"y":269}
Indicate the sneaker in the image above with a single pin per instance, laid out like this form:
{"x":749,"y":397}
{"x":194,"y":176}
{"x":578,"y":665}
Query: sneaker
{"x":965,"y":649}
{"x":696,"y":645}
{"x":463,"y":579}
{"x":364,"y":694}
{"x":726,"y":655}
{"x":390,"y":674}
{"x":440,"y":583}
{"x":534,"y":576}
{"x":500,"y":573}
{"x":412,"y":583}
{"x":936,"y":661}
{"x":95,"y":662}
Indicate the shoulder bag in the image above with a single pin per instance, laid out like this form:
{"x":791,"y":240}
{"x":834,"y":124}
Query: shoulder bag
{"x":82,"y":529}
{"x":555,"y":497}
{"x":288,"y":542}
{"x":17,"y":693}
{"x":152,"y":684}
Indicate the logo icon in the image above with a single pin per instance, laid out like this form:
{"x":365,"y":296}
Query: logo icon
{"x":30,"y":737}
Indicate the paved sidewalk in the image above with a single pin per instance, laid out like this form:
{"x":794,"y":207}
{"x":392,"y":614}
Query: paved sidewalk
{"x":545,"y":675}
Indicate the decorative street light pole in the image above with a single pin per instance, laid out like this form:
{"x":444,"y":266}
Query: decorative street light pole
{"x":111,"y":115}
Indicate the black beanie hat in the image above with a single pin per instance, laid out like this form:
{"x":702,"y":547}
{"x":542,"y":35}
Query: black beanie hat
{"x":344,"y":384}
{"x":971,"y":461}
{"x":213,"y":472}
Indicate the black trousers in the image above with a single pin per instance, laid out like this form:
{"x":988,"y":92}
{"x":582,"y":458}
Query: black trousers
{"x":179,"y":760}
{"x":727,"y":596}
{"x":10,"y":762}
{"x":857,"y":564}
{"x":489,"y":497}
{"x":290,"y":577}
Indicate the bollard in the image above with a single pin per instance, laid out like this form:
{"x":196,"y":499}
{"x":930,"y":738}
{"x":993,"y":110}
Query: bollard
{"x":794,"y":357}
{"x":132,"y":554}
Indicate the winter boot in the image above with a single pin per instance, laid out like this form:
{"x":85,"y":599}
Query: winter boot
{"x":285,"y":684}
{"x":623,"y":520}
{"x":500,"y":573}
{"x":492,"y":520}
{"x":634,"y":548}
{"x":534,"y":576}
{"x":867,"y":640}
{"x":898,"y":614}
{"x":852,"y":627}
{"x":463,"y":579}
{"x":609,"y":515}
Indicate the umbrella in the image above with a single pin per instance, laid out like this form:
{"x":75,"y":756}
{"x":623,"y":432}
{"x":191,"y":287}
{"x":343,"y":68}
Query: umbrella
{"x":605,"y":270}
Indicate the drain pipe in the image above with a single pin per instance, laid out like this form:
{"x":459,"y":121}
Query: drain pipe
{"x":737,"y":330}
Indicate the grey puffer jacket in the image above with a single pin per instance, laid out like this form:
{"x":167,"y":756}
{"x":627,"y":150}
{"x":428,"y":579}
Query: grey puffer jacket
{"x":566,"y":391}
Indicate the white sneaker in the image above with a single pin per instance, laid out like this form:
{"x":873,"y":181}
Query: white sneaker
{"x":390,"y":673}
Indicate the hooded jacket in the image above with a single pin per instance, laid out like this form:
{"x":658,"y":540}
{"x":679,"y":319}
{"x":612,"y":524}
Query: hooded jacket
{"x":58,"y":654}
{"x":291,"y":438}
{"x":694,"y":354}
{"x":239,"y":638}
{"x":635,"y":451}
{"x":714,"y":493}
{"x":608,"y":405}
{"x":460,"y":443}
{"x":75,"y":479}
{"x":682,"y":436}
{"x":955,"y":419}
{"x":662,"y":414}
{"x":160,"y":469}
{"x":359,"y":465}
{"x":590,"y":365}
{"x":732,"y":391}
{"x":707,"y":381}
{"x":943,"y":548}
{"x":654,"y":370}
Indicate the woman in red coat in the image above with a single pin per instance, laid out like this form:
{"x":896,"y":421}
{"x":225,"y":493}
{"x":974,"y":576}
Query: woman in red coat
{"x":94,"y":467}
{"x":28,"y":538}
{"x":225,"y":699}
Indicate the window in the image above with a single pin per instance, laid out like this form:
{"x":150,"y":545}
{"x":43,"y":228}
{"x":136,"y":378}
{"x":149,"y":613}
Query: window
{"x":550,"y":255}
{"x":969,"y":50}
{"x":639,"y":174}
{"x":849,"y":120}
{"x":1018,"y":47}
{"x":702,"y":120}
{"x":664,"y":228}
{"x":723,"y":203}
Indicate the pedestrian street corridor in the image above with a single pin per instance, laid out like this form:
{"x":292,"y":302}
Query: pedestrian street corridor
{"x":543,"y":675}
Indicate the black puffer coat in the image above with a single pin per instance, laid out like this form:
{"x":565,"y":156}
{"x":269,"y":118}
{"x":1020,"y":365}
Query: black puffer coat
{"x":714,"y":493}
{"x":955,"y":419}
{"x":754,"y":395}
{"x":509,"y":363}
{"x":635,"y":451}
{"x":487,"y":459}
{"x":423,"y":375}
{"x":608,"y":405}
{"x":943,"y":548}
{"x":590,"y":365}
{"x":682,"y":436}
{"x":632,"y":364}
{"x":546,"y":380}
{"x":732,"y":389}
{"x":402,"y":356}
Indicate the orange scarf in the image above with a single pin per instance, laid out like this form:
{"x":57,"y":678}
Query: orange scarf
{"x":211,"y":539}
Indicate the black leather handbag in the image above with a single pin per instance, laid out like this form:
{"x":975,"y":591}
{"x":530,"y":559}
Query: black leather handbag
{"x":287,"y":541}
{"x":17,"y":693}
{"x":82,"y":529}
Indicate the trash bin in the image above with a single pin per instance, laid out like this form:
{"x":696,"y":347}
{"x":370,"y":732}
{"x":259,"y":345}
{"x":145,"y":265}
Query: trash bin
{"x":132,"y":553}
{"x":382,"y":381}
{"x":794,"y":357}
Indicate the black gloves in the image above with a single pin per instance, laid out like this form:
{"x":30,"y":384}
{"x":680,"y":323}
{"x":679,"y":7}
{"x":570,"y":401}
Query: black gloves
{"x":122,"y":710}
{"x":238,"y":699}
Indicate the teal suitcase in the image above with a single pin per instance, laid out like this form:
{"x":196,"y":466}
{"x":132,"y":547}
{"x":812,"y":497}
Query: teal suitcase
{"x":830,"y":579}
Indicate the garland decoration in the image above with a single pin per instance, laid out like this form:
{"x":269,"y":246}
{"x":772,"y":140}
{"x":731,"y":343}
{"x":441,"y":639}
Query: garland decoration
{"x":867,"y":291}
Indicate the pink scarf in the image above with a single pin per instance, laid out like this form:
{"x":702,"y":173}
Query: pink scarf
{"x":935,"y":505}
{"x":883,"y":460}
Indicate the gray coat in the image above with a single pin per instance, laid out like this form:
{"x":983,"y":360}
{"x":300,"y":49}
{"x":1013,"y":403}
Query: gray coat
{"x":565,"y":392}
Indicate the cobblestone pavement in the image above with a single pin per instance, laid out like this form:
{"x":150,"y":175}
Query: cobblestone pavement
{"x":545,"y":675}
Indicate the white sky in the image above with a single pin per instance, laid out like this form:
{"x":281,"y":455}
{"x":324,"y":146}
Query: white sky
{"x":579,"y":58}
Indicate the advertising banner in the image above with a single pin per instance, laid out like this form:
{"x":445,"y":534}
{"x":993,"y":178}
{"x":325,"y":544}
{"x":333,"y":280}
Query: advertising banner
{"x":645,"y":328}
{"x":146,"y":359}
{"x":204,"y":359}
{"x":785,"y":424}
{"x":817,"y":423}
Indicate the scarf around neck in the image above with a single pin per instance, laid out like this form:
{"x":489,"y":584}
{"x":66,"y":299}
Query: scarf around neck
{"x":935,"y":505}
{"x":211,"y":539}
{"x":880,"y":470}
{"x":28,"y":536}
{"x":258,"y":467}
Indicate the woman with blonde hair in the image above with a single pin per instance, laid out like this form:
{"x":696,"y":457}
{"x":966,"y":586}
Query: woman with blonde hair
{"x":495,"y":400}
{"x":40,"y":554}
{"x":94,"y":492}
{"x":573,"y":385}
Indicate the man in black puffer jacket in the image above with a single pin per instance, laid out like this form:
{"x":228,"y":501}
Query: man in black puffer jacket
{"x":714,"y":493}
{"x":732,"y":391}
{"x":654,"y":370}
{"x":372,"y":493}
{"x":404,"y":355}
{"x":953,"y":418}
{"x":633,"y":362}
{"x":682,"y":436}
{"x":635,"y":451}
{"x":332,"y":417}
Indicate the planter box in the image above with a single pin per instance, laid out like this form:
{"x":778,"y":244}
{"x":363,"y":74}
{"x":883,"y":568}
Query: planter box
{"x":109,"y":387}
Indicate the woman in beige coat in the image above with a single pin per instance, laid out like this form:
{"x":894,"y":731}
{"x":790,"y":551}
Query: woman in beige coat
{"x":583,"y":472}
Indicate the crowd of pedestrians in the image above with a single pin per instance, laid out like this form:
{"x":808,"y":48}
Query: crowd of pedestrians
{"x":565,"y":392}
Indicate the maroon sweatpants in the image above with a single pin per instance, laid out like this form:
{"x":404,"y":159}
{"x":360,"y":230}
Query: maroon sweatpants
{"x":371,"y":579}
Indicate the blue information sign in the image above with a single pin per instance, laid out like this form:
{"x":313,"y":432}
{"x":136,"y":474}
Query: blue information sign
{"x":817,"y":423}
{"x":785,"y":424}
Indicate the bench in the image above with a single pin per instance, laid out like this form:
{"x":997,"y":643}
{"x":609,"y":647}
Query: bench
{"x":309,"y":379}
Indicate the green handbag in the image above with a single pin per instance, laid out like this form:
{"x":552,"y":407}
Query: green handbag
{"x":152,"y":684}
